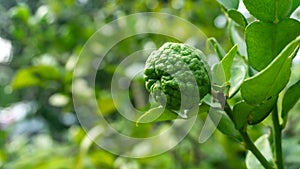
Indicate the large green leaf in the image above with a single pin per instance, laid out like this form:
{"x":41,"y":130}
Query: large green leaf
{"x":229,"y":4}
{"x":270,"y":81}
{"x":264,"y":146}
{"x":266,"y":40}
{"x":269,"y":10}
{"x":290,"y":98}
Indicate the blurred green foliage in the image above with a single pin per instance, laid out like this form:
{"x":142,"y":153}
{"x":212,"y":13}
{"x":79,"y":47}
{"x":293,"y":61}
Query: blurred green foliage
{"x":38,"y":124}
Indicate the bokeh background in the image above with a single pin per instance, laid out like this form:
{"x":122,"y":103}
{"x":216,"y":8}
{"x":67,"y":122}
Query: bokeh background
{"x":40,"y":42}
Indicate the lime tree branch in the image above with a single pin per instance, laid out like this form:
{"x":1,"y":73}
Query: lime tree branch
{"x":251,"y":147}
{"x":277,"y":139}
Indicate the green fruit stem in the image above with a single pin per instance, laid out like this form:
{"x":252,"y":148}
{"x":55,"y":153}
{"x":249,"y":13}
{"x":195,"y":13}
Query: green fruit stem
{"x":250,"y":145}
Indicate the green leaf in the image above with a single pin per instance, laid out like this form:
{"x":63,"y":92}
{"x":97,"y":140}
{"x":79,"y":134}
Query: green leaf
{"x":271,"y":80}
{"x":222,"y":70}
{"x":229,"y":4}
{"x":264,"y":146}
{"x":218,"y":48}
{"x":218,"y":78}
{"x":290,"y":98}
{"x":24,"y":78}
{"x":266,"y":40}
{"x":261,"y":111}
{"x":203,"y":108}
{"x":226,"y":62}
{"x":157,"y":114}
{"x":236,"y":37}
{"x":240,"y":112}
{"x":268,"y":10}
{"x":237,"y":17}
{"x":46,"y":72}
{"x":219,"y":118}
{"x":238,"y":74}
{"x":244,"y":113}
{"x":223,"y":123}
{"x":35,"y":76}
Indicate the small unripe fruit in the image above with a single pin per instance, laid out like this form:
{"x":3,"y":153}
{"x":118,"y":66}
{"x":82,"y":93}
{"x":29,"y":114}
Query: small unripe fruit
{"x":177,"y":76}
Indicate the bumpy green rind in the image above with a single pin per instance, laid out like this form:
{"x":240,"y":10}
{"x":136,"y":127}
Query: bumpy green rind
{"x":176,"y":76}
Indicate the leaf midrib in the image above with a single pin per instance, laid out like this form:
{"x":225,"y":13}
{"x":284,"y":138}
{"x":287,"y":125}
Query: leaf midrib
{"x":276,"y":21}
{"x":276,"y":12}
